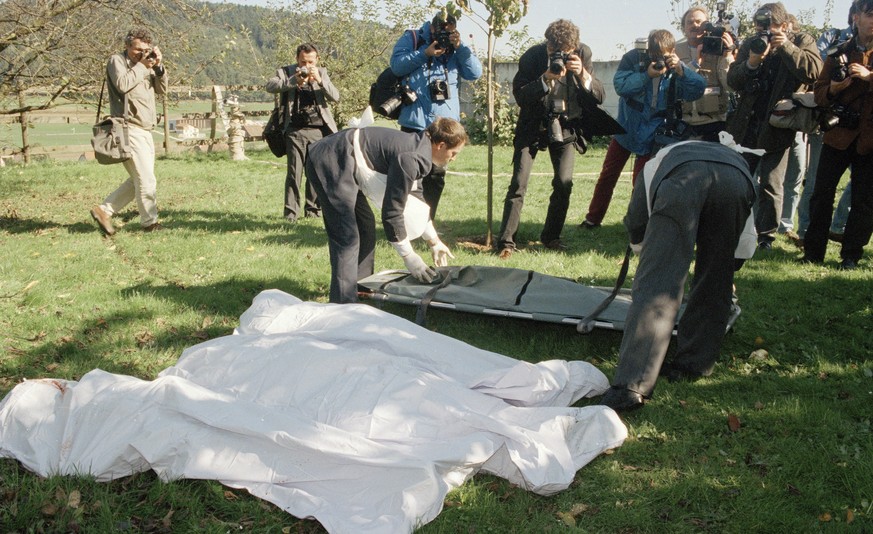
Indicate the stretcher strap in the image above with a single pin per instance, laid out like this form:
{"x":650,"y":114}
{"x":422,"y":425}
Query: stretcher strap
{"x":586,"y":325}
{"x":421,"y":313}
{"x":530,"y":275}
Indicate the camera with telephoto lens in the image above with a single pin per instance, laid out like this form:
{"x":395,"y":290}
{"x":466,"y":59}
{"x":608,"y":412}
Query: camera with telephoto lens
{"x":840,"y":54}
{"x":763,"y":21}
{"x":402,"y":97}
{"x":558,"y":61}
{"x":557,"y":110}
{"x":439,"y":90}
{"x":840,"y":115}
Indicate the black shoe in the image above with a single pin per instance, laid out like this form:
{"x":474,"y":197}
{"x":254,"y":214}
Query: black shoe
{"x":765,"y":245}
{"x":810,"y":261}
{"x":622,"y":400}
{"x":588,"y":225}
{"x":675,"y":373}
{"x":848,"y":265}
{"x":312,"y":215}
{"x":555,"y":244}
{"x":834,"y":236}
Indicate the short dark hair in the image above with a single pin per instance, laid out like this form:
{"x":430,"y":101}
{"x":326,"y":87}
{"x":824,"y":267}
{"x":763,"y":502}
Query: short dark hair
{"x":858,"y":7}
{"x":662,"y":41}
{"x":138,"y":33}
{"x":438,"y":19}
{"x":694,"y":9}
{"x":562,"y":35}
{"x":448,"y":131}
{"x":306,"y":48}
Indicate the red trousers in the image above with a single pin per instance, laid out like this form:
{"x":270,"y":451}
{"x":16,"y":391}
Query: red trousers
{"x":613,"y":164}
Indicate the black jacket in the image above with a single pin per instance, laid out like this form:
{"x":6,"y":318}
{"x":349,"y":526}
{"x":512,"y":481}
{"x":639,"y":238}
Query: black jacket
{"x":527,"y":88}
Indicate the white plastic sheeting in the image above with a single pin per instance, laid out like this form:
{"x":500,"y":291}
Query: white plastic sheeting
{"x":344,"y":413}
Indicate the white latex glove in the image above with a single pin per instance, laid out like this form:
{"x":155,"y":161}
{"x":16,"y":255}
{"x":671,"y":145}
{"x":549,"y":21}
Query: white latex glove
{"x":440,"y":253}
{"x":419,"y":269}
{"x":414,"y":264}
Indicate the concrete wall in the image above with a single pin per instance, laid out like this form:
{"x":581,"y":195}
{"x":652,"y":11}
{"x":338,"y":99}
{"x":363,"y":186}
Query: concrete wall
{"x":504,"y":72}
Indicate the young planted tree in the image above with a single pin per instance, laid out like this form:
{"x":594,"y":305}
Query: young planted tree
{"x":500,"y":15}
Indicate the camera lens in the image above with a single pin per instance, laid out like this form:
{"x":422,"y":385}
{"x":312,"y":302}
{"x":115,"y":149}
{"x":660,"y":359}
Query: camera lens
{"x":759,"y":44}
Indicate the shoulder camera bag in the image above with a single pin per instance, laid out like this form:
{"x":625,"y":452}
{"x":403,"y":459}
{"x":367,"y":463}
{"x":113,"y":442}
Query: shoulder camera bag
{"x":798,"y":113}
{"x":388,"y":86}
{"x":274,"y":130}
{"x":110,"y":138}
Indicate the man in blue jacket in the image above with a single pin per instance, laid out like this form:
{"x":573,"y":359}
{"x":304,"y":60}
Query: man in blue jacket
{"x":432,"y":60}
{"x":650,"y":82}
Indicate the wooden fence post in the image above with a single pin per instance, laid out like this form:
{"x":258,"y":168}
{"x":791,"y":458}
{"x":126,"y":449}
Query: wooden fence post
{"x":166,"y":127}
{"x":25,"y":145}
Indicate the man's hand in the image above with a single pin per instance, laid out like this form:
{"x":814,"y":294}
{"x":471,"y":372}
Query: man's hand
{"x":151,"y":58}
{"x":574,"y":65}
{"x":673,"y":63}
{"x":777,"y":39}
{"x":416,"y":266}
{"x":440,"y":253}
{"x":434,"y":50}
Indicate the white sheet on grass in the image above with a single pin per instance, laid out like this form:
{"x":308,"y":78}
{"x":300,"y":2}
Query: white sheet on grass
{"x":344,"y":413}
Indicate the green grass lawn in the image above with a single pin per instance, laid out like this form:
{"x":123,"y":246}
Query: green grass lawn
{"x":801,"y":459}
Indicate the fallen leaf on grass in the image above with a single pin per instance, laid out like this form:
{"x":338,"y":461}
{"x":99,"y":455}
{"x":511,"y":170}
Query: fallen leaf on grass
{"x":144,"y":338}
{"x":759,"y":405}
{"x":165,"y":521}
{"x":230,"y":496}
{"x":52,"y":367}
{"x":759,"y":354}
{"x":567,"y":518}
{"x":733,"y":423}
{"x":850,"y":516}
{"x":74,"y":500}
{"x":825,"y":517}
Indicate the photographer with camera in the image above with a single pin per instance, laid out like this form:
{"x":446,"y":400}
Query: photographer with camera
{"x":770,"y":66}
{"x":133,"y":78}
{"x":432,"y":60}
{"x":827,"y":41}
{"x":306,"y":88}
{"x":650,"y":81}
{"x":708,"y":49}
{"x":553,"y":86}
{"x":844,"y":86}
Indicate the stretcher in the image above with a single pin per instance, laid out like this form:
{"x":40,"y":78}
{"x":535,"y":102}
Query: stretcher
{"x":508,"y":292}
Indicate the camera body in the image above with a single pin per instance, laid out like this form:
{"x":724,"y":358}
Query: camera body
{"x":840,"y":115}
{"x":757,"y":85}
{"x":443,"y":37}
{"x":840,"y":55}
{"x":554,"y":127}
{"x":558,"y":61}
{"x":439,"y":90}
{"x":661,"y":63}
{"x":151,"y":54}
{"x":712,"y":43}
{"x":302,"y":72}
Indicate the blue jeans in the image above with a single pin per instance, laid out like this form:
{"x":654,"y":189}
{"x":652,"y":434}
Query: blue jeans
{"x":793,"y":182}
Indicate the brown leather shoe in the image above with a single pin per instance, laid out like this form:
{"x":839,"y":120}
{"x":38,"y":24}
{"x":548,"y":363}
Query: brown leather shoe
{"x":153,"y":228}
{"x":103,"y":220}
{"x":505,"y":253}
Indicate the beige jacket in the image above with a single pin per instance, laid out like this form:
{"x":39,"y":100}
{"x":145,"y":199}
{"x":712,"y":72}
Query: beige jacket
{"x":140,"y":84}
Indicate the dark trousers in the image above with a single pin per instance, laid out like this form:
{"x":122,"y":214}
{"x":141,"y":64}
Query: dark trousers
{"x":297,"y":141}
{"x":563,"y":157}
{"x":351,"y":241}
{"x":703,"y":203}
{"x":771,"y":168}
{"x":859,"y":226}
